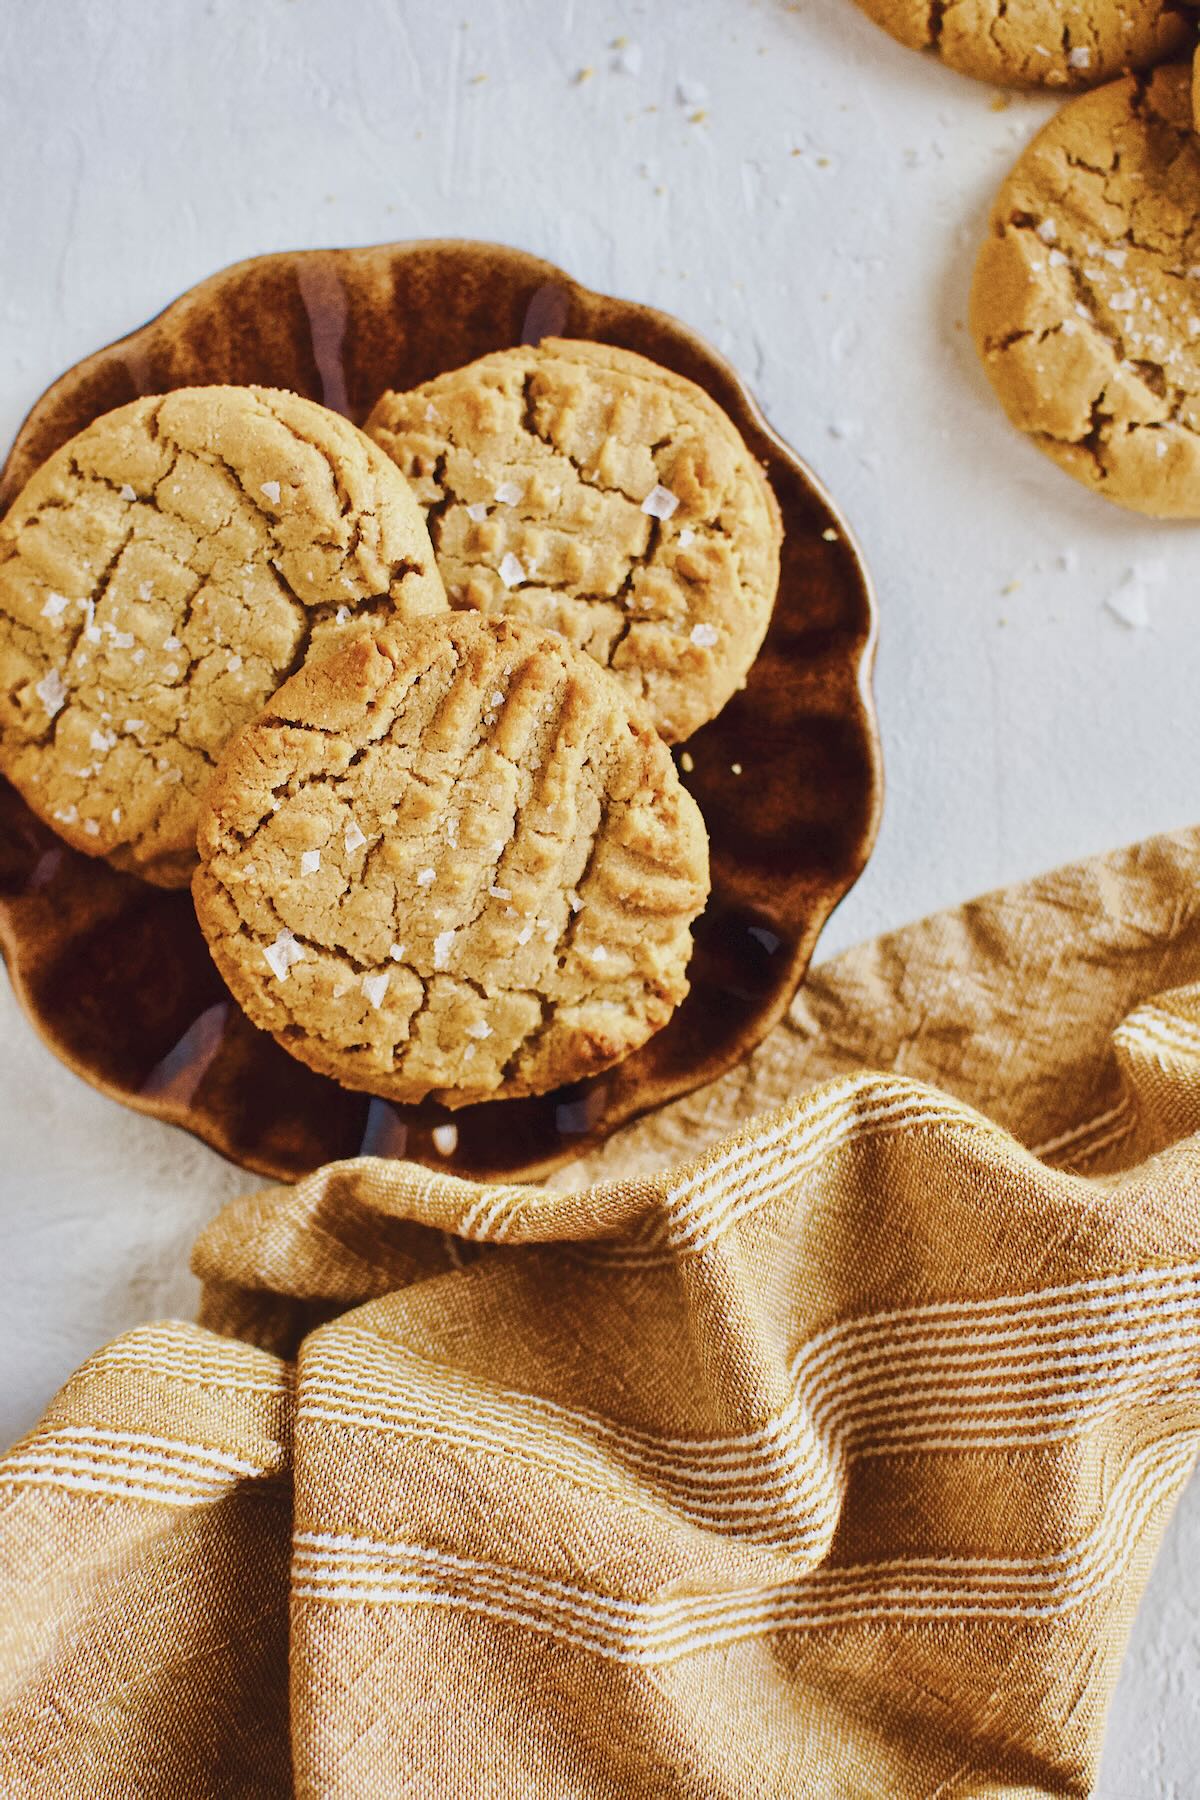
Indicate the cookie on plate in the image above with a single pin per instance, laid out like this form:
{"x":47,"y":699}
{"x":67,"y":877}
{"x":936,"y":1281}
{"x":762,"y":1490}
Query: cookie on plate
{"x":452,"y":860}
{"x":1040,"y":43}
{"x":581,"y":487}
{"x":160,"y":576}
{"x":1086,"y":300}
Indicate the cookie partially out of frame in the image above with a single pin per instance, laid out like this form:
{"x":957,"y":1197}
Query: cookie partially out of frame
{"x":452,"y":860}
{"x":1086,"y":300}
{"x":1040,"y":43}
{"x":581,"y":487}
{"x":160,"y":576}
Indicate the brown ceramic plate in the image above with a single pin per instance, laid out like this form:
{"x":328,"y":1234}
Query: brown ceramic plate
{"x":116,"y":976}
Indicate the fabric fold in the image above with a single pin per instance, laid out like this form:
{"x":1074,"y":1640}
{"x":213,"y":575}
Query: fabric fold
{"x":828,"y":1461}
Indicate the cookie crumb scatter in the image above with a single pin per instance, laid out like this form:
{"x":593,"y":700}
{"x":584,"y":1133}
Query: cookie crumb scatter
{"x":272,"y":490}
{"x":660,"y":502}
{"x":511,"y":571}
{"x":736,"y":768}
{"x":704,"y":636}
{"x":584,"y":74}
{"x":310,"y":862}
{"x":281,"y":955}
{"x":830,"y":535}
{"x":443,"y":943}
{"x":445,"y":1139}
{"x":375,"y":987}
{"x":687,"y":762}
{"x":354,"y":837}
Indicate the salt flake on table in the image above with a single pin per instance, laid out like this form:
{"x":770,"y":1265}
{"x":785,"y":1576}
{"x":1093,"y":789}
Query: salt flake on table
{"x":375,"y":987}
{"x":1129,"y":601}
{"x":271,"y":490}
{"x":282,"y":954}
{"x":310,"y":862}
{"x":512,"y":572}
{"x":628,"y":59}
{"x":660,"y":502}
{"x":704,"y":636}
{"x":689,"y":92}
{"x":52,"y":693}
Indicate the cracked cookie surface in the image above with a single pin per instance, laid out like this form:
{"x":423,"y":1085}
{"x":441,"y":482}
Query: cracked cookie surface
{"x":452,"y":859}
{"x":581,"y":487}
{"x":1086,"y":301}
{"x":160,"y":576}
{"x":1040,"y":43}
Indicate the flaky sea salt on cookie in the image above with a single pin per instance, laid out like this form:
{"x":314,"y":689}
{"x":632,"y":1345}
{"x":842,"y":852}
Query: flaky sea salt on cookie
{"x":1086,"y":302}
{"x":452,"y":860}
{"x":1039,"y":43}
{"x":581,"y":487}
{"x":160,"y":576}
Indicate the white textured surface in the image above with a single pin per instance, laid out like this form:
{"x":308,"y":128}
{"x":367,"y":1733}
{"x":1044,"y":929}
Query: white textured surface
{"x":819,"y":226}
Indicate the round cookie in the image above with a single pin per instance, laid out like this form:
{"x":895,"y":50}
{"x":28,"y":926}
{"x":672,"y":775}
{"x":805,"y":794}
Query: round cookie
{"x":452,"y":860}
{"x":160,"y":576}
{"x":1086,"y":301}
{"x":1040,"y":43}
{"x":581,"y":487}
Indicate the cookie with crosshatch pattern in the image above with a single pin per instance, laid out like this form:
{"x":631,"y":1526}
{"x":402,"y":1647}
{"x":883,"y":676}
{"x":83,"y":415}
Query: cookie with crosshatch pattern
{"x":575,"y":485}
{"x":160,"y":575}
{"x":452,"y":860}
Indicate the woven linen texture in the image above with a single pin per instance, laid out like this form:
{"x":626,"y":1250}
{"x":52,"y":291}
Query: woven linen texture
{"x":819,"y":1455}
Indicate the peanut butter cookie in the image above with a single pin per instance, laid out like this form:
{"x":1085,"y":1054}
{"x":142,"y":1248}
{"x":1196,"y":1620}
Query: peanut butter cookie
{"x":1086,"y":300}
{"x":1040,"y":43}
{"x":581,"y":487}
{"x":451,"y":859}
{"x":159,"y":577}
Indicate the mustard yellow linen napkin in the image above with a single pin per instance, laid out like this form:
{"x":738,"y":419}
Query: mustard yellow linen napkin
{"x":828,"y":1462}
